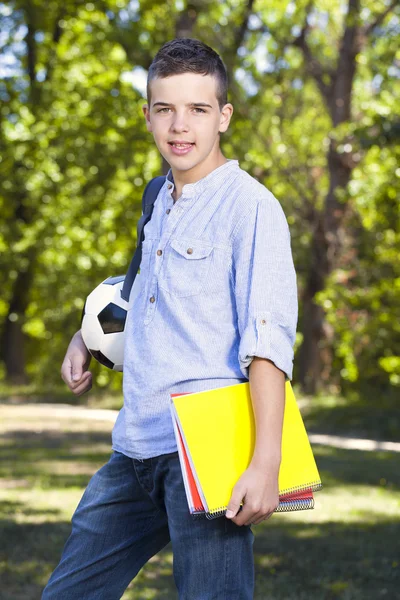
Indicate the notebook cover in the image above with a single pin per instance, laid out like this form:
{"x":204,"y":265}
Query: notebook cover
{"x":289,"y":502}
{"x":218,"y":432}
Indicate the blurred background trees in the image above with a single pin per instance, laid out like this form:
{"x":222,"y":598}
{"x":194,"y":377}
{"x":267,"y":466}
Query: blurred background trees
{"x":315,"y":87}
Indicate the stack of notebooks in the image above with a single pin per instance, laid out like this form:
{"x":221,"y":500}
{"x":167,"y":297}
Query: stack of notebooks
{"x":215,"y":435}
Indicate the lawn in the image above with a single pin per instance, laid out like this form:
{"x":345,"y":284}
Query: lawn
{"x":346,"y":548}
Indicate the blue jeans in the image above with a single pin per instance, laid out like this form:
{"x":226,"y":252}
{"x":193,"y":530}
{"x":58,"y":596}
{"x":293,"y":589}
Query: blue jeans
{"x":130,"y":510}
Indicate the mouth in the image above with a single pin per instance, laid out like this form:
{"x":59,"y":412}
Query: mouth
{"x":181,"y":145}
{"x":180,"y":148}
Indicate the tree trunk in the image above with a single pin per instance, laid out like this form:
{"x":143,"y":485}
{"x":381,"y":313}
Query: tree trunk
{"x":326,"y":243}
{"x":314,"y":356}
{"x":13,"y":339}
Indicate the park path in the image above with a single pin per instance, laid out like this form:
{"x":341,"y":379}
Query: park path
{"x":19,"y":412}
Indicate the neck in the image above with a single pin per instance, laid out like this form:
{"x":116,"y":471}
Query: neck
{"x":182,"y":178}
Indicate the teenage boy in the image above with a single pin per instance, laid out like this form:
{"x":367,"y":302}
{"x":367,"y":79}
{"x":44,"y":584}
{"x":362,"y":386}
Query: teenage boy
{"x":218,"y":306}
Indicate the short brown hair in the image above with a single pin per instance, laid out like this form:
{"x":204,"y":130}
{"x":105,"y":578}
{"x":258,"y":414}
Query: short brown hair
{"x":188,"y":55}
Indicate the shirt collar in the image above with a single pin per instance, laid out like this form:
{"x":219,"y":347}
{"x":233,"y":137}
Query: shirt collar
{"x":194,"y":189}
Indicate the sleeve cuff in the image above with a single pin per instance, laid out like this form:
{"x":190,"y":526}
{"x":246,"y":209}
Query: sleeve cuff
{"x":265,"y":339}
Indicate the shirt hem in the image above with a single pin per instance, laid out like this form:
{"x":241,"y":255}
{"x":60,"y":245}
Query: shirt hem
{"x":141,"y":456}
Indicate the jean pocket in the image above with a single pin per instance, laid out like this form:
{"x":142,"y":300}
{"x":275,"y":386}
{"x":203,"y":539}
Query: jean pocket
{"x":187,"y":263}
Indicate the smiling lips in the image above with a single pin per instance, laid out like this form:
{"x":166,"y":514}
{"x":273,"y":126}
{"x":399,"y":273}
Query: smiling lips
{"x":180,"y":148}
{"x":180,"y":143}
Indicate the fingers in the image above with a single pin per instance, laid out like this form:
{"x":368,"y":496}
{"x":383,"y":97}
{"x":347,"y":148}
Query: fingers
{"x":74,"y":368}
{"x":259,"y":518}
{"x":77,"y":380}
{"x":236,"y":500}
{"x":246,"y":515}
{"x":252,"y":501}
{"x":252,"y":514}
{"x":83,"y":385}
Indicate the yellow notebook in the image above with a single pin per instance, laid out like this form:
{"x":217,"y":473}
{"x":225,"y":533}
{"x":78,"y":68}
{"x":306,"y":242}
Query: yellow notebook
{"x":215,"y":433}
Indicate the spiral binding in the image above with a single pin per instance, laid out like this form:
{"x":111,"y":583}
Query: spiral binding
{"x":198,"y":515}
{"x":284,"y":505}
{"x":300,"y":504}
{"x":315,"y":486}
{"x":218,"y":512}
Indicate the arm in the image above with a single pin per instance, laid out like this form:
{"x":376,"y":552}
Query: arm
{"x":265,"y":288}
{"x":258,"y":486}
{"x":267,"y":388}
{"x":74,"y":368}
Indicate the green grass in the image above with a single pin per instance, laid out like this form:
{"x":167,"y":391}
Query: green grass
{"x":59,"y":394}
{"x":377,"y":417}
{"x":346,"y":548}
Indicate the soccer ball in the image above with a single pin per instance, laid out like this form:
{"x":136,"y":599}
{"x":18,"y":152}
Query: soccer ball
{"x":103,"y":321}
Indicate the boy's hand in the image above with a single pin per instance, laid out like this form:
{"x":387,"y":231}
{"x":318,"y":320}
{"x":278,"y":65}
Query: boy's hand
{"x":74,"y":368}
{"x":257,"y":489}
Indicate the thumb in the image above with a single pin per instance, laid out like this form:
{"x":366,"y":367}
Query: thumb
{"x":235,"y":502}
{"x":76,"y":370}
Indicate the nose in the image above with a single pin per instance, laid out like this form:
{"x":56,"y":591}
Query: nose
{"x":179,"y":123}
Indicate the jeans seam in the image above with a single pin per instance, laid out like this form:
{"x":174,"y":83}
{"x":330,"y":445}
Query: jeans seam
{"x":226,"y":560}
{"x":144,"y":489}
{"x":151,"y":500}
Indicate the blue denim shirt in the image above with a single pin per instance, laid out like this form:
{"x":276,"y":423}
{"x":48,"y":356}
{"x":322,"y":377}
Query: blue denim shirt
{"x":217,"y":288}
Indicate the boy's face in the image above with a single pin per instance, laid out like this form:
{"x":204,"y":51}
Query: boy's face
{"x":185,"y":120}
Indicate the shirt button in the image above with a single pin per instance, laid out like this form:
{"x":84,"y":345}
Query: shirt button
{"x":263,"y":321}
{"x":159,"y":252}
{"x":189,"y":250}
{"x":168,"y":211}
{"x":152,"y":299}
{"x":170,"y":186}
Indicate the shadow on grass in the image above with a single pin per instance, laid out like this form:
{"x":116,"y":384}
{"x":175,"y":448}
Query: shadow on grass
{"x":326,"y":561}
{"x":13,"y":508}
{"x":44,"y":441}
{"x":17,"y":395}
{"x":30,"y":552}
{"x":354,"y":467}
{"x":378,"y":421}
{"x":293,"y":561}
{"x":24,"y":454}
{"x":32,"y":458}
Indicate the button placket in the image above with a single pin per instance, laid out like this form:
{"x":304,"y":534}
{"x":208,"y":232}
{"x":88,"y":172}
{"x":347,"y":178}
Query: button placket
{"x":169,"y":226}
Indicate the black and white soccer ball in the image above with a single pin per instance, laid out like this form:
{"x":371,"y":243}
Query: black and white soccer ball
{"x":103,"y":321}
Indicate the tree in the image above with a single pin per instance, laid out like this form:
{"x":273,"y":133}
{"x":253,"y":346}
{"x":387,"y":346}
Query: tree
{"x":74,"y":160}
{"x":310,"y":50}
{"x":313,"y":88}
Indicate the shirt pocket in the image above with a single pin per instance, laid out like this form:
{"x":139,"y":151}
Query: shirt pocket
{"x":185,"y":267}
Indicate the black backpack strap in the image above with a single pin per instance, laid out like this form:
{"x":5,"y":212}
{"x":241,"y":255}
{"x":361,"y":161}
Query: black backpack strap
{"x":149,"y":197}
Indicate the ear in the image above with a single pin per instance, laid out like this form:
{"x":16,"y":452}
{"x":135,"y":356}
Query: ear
{"x":146,"y":112}
{"x":225,"y":117}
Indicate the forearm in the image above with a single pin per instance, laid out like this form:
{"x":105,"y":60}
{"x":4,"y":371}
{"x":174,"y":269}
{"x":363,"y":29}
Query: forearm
{"x":267,"y":388}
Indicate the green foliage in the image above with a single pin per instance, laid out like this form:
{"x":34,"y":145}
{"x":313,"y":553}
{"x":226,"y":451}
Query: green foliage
{"x":363,"y":294}
{"x":75,"y":156}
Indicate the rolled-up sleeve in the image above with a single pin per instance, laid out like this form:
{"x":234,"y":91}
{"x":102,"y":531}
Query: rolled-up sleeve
{"x":265,"y":287}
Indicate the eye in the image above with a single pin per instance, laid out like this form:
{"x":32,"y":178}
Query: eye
{"x":164,"y":109}
{"x":199,"y":109}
